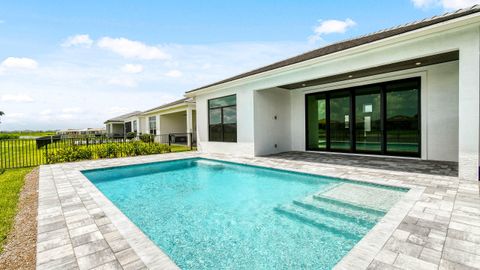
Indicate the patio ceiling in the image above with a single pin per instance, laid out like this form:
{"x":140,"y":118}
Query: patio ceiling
{"x":409,"y":64}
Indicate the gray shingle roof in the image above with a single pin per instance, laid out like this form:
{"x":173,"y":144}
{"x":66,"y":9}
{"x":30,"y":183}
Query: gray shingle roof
{"x":180,"y":101}
{"x":122,"y":118}
{"x":351,"y":43}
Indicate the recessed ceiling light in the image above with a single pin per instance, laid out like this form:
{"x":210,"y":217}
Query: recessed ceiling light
{"x":304,"y":84}
{"x":350,"y":76}
{"x":418,"y":63}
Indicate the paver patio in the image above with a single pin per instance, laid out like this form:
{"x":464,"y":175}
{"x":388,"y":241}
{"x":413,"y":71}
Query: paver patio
{"x":435,"y":226}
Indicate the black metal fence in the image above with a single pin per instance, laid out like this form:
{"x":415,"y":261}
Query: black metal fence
{"x":18,"y":153}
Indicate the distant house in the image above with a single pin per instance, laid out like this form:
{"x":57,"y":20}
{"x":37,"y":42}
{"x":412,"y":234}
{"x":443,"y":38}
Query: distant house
{"x":122,"y":125}
{"x":80,"y":132}
{"x":174,"y":121}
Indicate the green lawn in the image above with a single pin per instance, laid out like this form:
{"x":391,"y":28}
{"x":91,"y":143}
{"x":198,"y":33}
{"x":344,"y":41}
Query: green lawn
{"x":11,"y":182}
{"x":31,"y":133}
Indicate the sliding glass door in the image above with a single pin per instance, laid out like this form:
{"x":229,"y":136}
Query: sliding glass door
{"x":379,"y":119}
{"x":317,"y":115}
{"x":402,"y":117}
{"x":340,"y":121}
{"x":368,"y":130}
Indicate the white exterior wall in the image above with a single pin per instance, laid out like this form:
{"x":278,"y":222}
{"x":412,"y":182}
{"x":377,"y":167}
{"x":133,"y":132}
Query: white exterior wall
{"x":459,"y":88}
{"x":272,"y":135}
{"x":439,"y":108}
{"x":244,"y":144}
{"x":173,"y":123}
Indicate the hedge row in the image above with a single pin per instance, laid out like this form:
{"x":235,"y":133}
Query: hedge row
{"x":108,"y":150}
{"x":6,"y":136}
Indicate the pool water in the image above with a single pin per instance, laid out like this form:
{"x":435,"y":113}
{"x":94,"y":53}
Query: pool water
{"x":209,"y":214}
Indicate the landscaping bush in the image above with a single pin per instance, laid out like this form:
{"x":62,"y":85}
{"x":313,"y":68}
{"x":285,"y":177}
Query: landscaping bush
{"x":6,"y":136}
{"x":70,"y":154}
{"x":131,"y":135}
{"x":147,"y":138}
{"x":108,"y":150}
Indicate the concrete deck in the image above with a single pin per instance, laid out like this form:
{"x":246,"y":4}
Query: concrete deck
{"x":435,"y":226}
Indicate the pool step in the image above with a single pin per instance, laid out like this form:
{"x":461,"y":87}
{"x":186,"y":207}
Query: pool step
{"x":332,"y":224}
{"x":348,"y":205}
{"x":333,"y":210}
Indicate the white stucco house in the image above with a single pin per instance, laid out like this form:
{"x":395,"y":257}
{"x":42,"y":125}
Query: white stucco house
{"x":412,"y":91}
{"x":176,"y":119}
{"x":121,"y":125}
{"x":174,"y":122}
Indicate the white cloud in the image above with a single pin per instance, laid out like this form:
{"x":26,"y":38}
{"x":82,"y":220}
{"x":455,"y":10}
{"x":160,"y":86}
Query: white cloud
{"x":93,"y":81}
{"x":46,"y":112}
{"x":132,"y":49}
{"x":174,"y":73}
{"x":445,"y":4}
{"x":132,"y":68}
{"x":117,"y":110}
{"x":122,"y":81}
{"x":16,"y":98}
{"x":19,"y":63}
{"x":72,"y":110}
{"x":78,"y":40}
{"x":330,"y":27}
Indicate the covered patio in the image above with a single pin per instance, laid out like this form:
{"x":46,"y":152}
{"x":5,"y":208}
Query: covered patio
{"x":173,"y":123}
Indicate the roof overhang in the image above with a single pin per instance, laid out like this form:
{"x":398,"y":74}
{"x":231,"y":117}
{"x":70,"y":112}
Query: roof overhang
{"x":403,"y":65}
{"x":114,"y":122}
{"x":174,"y":108}
{"x":460,"y":22}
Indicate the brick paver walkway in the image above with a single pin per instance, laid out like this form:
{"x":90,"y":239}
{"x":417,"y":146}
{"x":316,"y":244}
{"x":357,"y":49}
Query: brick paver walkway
{"x":436,"y":225}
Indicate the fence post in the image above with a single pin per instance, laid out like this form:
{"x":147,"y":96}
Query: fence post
{"x":190,"y":140}
{"x":46,"y":154}
{"x":169,"y":139}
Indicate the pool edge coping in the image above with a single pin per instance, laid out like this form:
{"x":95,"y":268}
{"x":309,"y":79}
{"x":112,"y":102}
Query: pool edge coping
{"x":361,"y":252}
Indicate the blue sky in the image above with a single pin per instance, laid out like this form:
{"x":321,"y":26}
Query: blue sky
{"x":67,"y":64}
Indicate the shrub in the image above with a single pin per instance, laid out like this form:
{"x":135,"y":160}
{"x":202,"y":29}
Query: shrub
{"x":6,"y":136}
{"x":131,"y":135}
{"x":70,"y":154}
{"x":147,"y":138}
{"x":108,"y":150}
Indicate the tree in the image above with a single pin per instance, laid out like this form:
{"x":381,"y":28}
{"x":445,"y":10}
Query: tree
{"x":1,"y":114}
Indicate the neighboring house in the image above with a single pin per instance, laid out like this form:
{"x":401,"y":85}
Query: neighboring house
{"x":79,"y":132}
{"x":172,"y":122}
{"x":176,"y":119}
{"x":122,"y":125}
{"x":408,"y":91}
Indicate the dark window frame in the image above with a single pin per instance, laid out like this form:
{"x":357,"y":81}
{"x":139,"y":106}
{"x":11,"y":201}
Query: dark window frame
{"x":383,"y":93}
{"x":222,"y":137}
{"x":150,"y":130}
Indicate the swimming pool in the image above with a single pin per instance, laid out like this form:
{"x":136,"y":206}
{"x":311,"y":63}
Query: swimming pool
{"x":208,"y":214}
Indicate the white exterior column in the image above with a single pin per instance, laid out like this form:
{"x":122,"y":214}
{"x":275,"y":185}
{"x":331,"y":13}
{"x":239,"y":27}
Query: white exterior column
{"x":189,"y":126}
{"x":469,"y":110}
{"x":158,"y":124}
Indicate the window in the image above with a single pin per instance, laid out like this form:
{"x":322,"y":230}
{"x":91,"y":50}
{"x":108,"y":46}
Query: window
{"x":381,"y":118}
{"x":135,"y":126}
{"x":152,"y":124}
{"x":128,"y":127}
{"x":222,"y":119}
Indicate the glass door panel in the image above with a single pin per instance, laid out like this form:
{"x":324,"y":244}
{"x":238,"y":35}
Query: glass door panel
{"x":317,"y":122}
{"x":340,"y":121}
{"x":368,"y":132}
{"x":402,"y":118}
